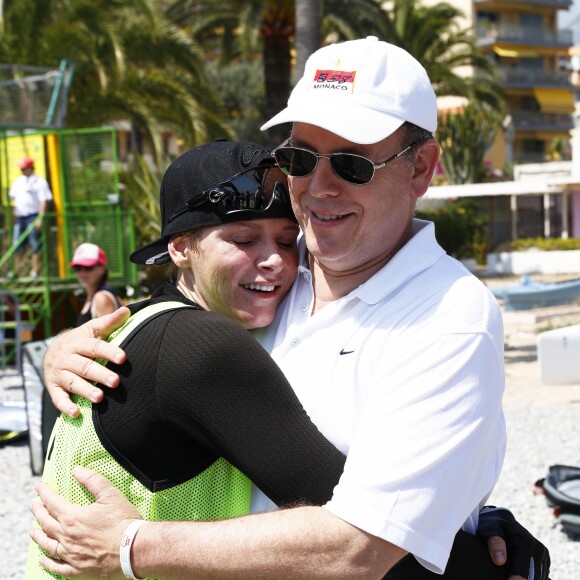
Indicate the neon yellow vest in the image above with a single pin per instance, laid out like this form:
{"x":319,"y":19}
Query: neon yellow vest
{"x":221,"y":491}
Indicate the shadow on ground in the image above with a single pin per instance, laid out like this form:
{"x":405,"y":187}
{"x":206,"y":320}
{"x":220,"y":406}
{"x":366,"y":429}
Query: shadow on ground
{"x":520,"y":354}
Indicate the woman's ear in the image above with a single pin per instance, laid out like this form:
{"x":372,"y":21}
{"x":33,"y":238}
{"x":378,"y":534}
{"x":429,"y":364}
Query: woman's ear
{"x":178,"y":248}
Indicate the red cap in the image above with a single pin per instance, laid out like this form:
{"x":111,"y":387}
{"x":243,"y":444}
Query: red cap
{"x":88,"y":255}
{"x":26,"y":162}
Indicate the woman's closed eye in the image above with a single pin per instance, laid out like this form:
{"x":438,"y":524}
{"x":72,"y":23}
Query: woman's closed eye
{"x":243,"y":243}
{"x":289,"y":243}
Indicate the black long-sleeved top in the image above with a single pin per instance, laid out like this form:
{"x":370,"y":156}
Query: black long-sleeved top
{"x":197,"y":386}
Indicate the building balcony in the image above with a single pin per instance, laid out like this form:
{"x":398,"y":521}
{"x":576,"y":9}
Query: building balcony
{"x":536,"y":121}
{"x":490,"y":34}
{"x":529,"y":157}
{"x":522,"y":78}
{"x":558,"y":4}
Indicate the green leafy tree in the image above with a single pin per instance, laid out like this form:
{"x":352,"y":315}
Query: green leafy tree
{"x":460,"y":228}
{"x":141,"y":184}
{"x":245,"y":108}
{"x":465,"y":137}
{"x":131,"y":62}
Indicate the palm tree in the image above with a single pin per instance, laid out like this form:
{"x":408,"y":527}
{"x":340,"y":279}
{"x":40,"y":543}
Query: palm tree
{"x":432,"y":35}
{"x":131,"y":62}
{"x":307,"y":38}
{"x":245,"y":29}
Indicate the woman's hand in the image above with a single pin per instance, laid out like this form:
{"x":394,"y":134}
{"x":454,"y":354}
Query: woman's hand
{"x":69,"y":364}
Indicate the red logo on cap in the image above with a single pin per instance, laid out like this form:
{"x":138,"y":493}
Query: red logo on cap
{"x":334,"y":76}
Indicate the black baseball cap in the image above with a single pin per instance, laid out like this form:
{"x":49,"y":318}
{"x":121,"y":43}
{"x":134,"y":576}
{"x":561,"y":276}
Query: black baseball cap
{"x":198,"y":188}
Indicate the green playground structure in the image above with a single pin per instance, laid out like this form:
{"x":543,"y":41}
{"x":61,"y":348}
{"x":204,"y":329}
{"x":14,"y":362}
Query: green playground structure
{"x":82,"y":168}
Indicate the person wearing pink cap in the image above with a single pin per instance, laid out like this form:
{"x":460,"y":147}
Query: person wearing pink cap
{"x":90,"y":263}
{"x":30,"y":195}
{"x":394,"y":349}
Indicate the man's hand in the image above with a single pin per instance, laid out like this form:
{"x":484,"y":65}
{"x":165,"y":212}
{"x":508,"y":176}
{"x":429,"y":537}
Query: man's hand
{"x":69,"y":364}
{"x":528,"y":558}
{"x":85,"y":538}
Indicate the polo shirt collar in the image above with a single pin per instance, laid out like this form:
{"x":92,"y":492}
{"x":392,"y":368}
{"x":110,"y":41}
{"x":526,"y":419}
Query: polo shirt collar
{"x":416,"y":256}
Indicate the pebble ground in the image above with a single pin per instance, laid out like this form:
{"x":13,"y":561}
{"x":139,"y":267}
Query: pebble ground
{"x":543,"y":429}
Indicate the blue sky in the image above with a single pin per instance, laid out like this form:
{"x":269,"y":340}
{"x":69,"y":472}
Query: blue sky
{"x":566,"y":17}
{"x":571,"y":19}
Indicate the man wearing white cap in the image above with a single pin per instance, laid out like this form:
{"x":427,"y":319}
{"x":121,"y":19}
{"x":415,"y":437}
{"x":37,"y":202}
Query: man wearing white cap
{"x":30,"y":195}
{"x":393,"y":348}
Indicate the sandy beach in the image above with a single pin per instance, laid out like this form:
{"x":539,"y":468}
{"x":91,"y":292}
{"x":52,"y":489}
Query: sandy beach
{"x":543,"y":425}
{"x":543,"y":429}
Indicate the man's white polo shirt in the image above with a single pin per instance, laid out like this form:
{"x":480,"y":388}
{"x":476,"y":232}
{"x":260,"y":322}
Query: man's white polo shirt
{"x":28,"y":193}
{"x":405,"y":375}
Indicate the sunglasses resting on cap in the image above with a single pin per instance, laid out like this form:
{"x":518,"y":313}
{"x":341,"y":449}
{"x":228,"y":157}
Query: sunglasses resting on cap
{"x":252,"y":190}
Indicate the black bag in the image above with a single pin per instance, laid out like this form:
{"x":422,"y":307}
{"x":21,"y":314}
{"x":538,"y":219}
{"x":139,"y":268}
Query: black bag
{"x":561,"y":488}
{"x":39,"y":408}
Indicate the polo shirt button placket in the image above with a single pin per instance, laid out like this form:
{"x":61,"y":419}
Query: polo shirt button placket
{"x":295,"y":341}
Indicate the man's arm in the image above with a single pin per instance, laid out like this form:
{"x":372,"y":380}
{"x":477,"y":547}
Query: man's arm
{"x":41,"y":212}
{"x":69,"y":364}
{"x":302,"y":542}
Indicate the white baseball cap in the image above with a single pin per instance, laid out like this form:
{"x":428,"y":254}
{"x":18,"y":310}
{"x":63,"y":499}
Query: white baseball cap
{"x":362,"y":90}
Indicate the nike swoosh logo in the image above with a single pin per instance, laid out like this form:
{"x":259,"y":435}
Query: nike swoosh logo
{"x":346,"y":351}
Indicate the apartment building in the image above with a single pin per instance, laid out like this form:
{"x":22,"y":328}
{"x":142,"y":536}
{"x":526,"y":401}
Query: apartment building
{"x":523,"y":39}
{"x":533,"y":56}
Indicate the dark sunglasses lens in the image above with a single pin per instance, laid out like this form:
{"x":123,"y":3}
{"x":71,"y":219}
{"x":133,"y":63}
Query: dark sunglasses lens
{"x":79,"y":268}
{"x":295,"y":162}
{"x":254,"y":190}
{"x":352,"y":168}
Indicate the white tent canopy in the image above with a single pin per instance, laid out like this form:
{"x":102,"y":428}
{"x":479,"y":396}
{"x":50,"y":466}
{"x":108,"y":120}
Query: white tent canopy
{"x":544,"y":186}
{"x":523,"y":187}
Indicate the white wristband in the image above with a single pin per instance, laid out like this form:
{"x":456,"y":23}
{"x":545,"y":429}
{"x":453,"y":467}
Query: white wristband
{"x":125,"y":548}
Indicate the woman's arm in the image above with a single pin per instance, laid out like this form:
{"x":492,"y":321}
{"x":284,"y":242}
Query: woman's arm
{"x":219,"y":386}
{"x":103,"y":303}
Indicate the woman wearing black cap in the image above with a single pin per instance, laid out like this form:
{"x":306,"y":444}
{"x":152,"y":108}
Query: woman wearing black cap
{"x":198,"y":391}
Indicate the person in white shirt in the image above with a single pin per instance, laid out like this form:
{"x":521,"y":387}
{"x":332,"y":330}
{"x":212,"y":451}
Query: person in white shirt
{"x":30,"y":195}
{"x":394,"y":349}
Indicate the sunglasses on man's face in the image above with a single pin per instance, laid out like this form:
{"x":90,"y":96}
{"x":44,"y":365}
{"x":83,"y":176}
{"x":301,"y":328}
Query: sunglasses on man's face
{"x":356,"y":169}
{"x":85,"y":268}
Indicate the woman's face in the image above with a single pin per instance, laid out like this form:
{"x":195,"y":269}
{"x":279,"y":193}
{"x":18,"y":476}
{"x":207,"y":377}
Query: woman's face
{"x":242,"y":269}
{"x":90,"y":276}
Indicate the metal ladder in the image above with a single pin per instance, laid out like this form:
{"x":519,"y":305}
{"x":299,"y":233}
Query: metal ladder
{"x":11,"y":328}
